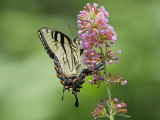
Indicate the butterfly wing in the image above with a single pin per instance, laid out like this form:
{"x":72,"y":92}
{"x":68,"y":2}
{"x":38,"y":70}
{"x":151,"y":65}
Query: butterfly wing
{"x":60,"y":48}
{"x":52,"y":40}
{"x":58,"y":44}
{"x":82,"y":70}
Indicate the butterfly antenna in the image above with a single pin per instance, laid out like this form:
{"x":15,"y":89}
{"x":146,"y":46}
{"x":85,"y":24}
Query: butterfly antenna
{"x":70,"y":30}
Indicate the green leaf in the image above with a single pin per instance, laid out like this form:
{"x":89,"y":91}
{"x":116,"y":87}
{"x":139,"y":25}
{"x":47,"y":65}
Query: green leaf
{"x":123,"y":115}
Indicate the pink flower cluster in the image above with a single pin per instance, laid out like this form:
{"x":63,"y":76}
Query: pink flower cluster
{"x":120,"y":107}
{"x":91,"y":58}
{"x":94,"y":30}
{"x":97,"y":78}
{"x":117,"y":107}
{"x":112,"y":56}
{"x":115,"y":79}
{"x":98,"y":111}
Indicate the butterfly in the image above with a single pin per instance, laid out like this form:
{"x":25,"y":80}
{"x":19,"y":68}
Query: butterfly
{"x":67,"y":56}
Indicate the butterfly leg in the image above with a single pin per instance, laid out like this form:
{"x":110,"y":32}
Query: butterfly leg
{"x":63,"y":94}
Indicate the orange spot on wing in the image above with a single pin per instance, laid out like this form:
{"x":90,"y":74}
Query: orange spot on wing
{"x":56,"y":67}
{"x":59,"y":75}
{"x":62,"y":81}
{"x":74,"y":79}
{"x":54,"y":60}
{"x":69,"y":75}
{"x":65,"y":75}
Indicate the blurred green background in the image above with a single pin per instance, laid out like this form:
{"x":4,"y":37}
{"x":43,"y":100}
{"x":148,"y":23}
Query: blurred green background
{"x":29,"y":88}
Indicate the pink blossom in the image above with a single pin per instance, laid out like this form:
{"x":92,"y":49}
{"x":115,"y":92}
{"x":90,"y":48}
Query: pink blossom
{"x":115,"y":99}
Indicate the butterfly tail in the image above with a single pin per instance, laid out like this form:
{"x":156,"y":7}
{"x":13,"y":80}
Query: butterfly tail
{"x":76,"y":103}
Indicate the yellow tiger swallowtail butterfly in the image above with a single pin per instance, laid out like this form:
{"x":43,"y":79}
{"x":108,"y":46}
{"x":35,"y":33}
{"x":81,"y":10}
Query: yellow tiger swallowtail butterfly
{"x":67,"y":56}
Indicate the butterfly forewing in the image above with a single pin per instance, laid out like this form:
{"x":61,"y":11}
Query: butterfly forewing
{"x":58,"y":44}
{"x":52,"y":40}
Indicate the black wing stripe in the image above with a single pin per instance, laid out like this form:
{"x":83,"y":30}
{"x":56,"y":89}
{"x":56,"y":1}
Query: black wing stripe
{"x":62,"y":39}
{"x":55,"y":36}
{"x":52,"y":34}
{"x":62,"y":43}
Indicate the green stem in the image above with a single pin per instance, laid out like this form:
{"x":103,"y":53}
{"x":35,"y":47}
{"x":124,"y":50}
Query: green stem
{"x":109,"y":91}
{"x":111,"y":117}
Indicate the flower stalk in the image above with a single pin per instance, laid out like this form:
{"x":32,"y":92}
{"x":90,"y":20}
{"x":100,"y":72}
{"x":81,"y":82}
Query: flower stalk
{"x":95,"y":32}
{"x":107,"y":85}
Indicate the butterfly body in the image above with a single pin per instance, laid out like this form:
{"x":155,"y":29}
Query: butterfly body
{"x":67,"y":56}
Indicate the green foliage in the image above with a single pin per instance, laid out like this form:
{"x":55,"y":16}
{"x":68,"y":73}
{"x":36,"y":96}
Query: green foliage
{"x":29,"y":88}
